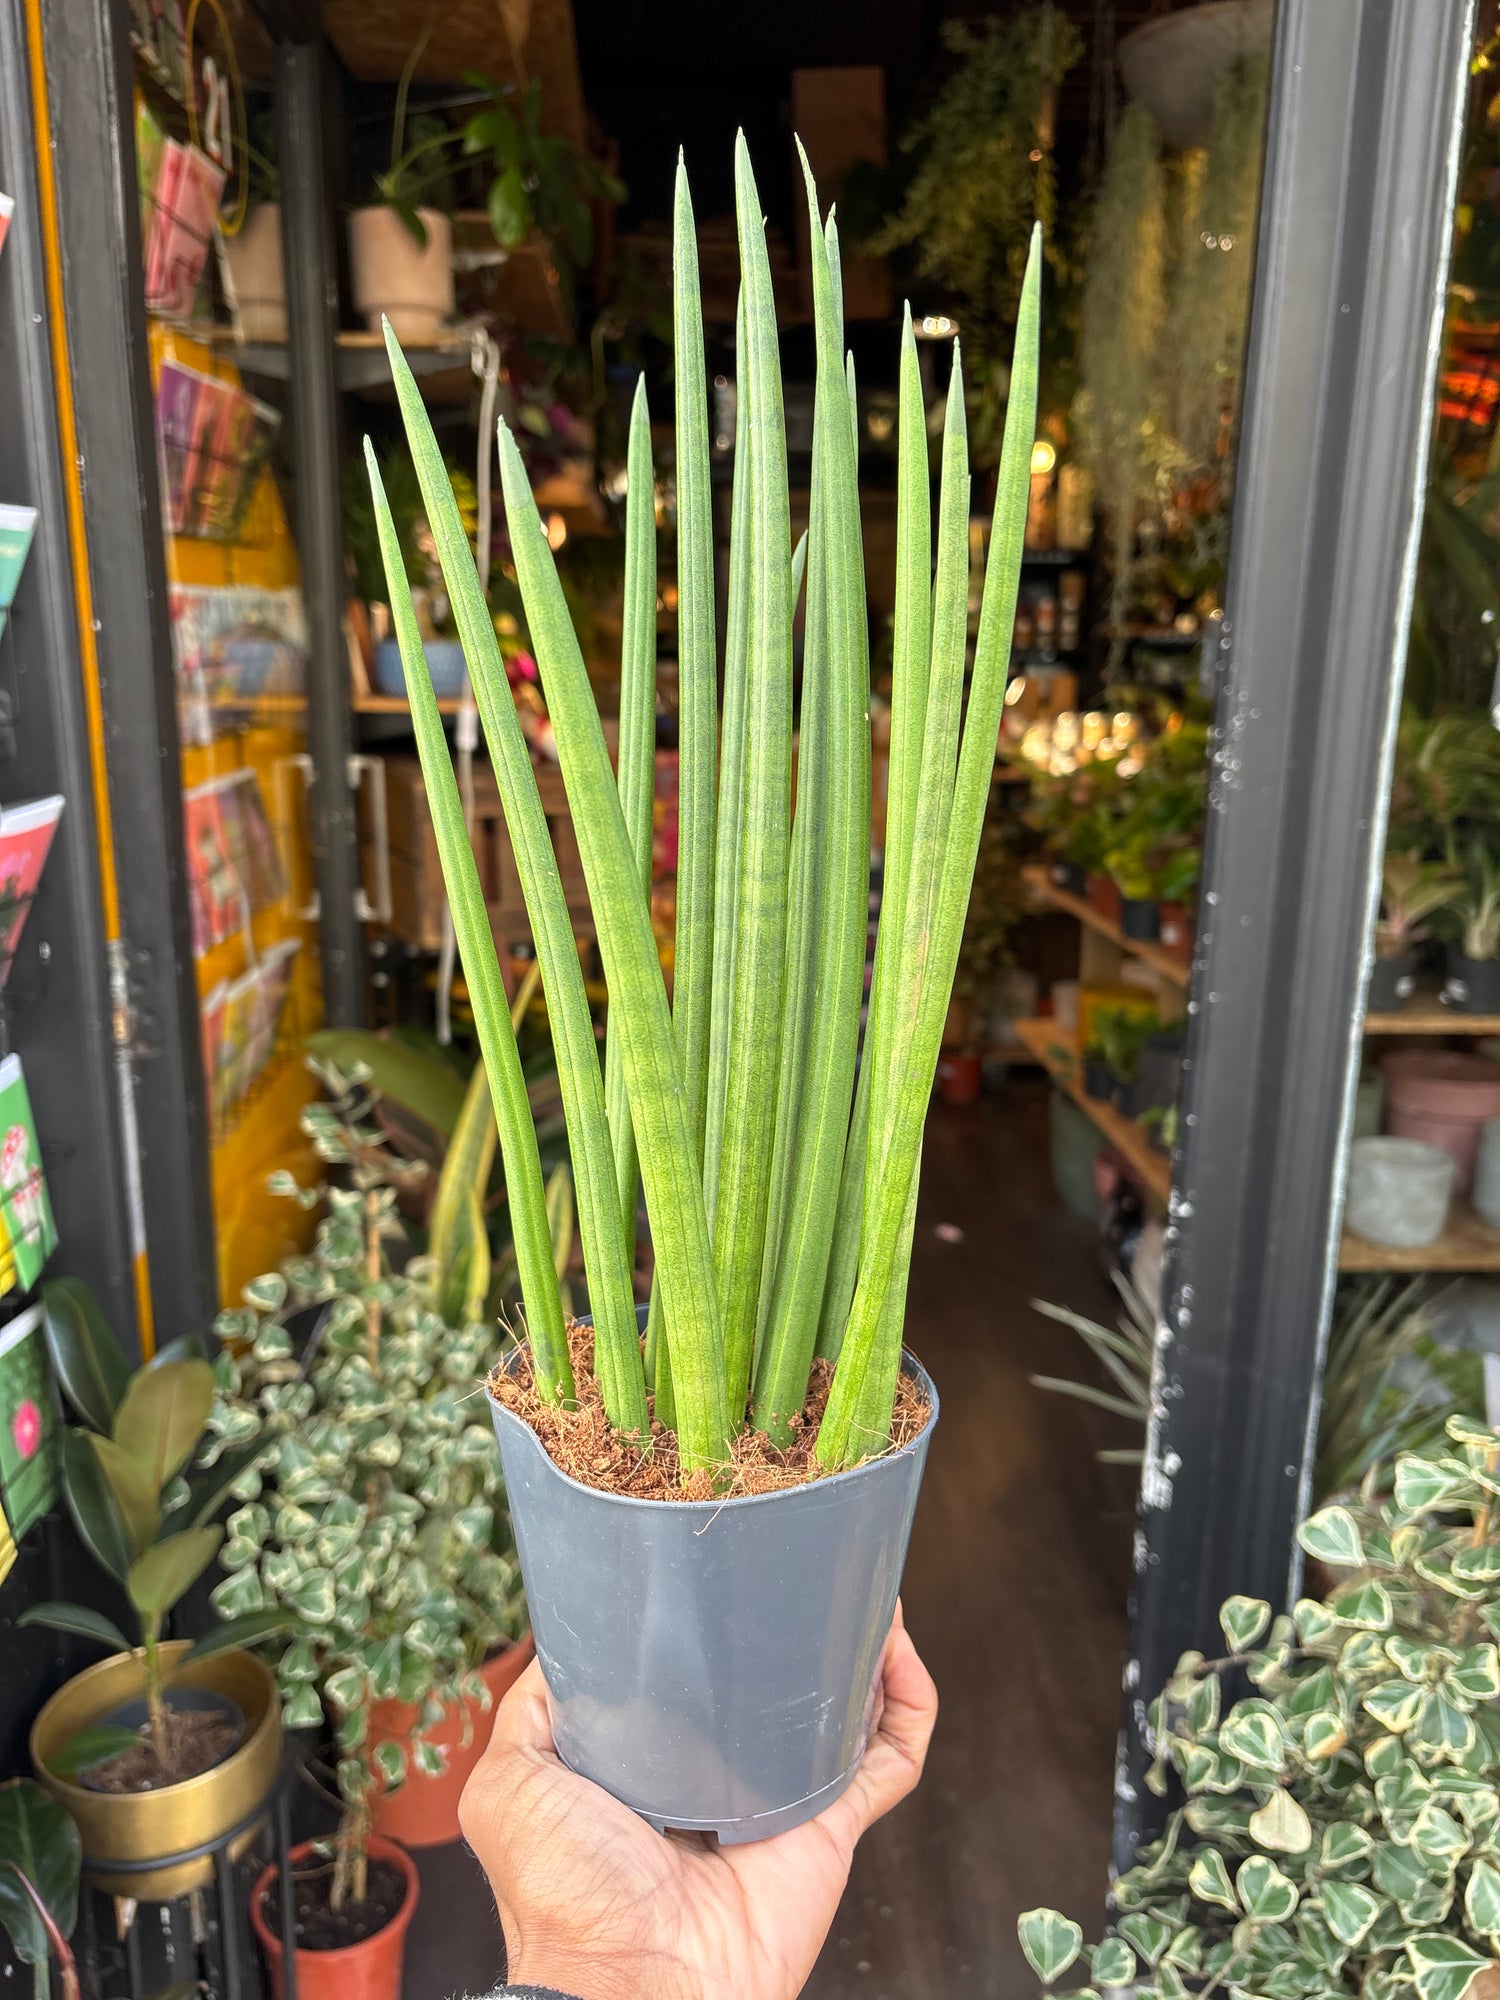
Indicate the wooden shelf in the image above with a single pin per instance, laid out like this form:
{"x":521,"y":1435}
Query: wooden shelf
{"x":1174,"y":969}
{"x":1425,"y":1014}
{"x":1467,"y":1244}
{"x":397,"y":704}
{"x":1059,"y":1057}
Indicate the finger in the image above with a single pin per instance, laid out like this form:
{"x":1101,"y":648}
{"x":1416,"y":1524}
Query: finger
{"x":523,"y":1720}
{"x":898,"y":1748}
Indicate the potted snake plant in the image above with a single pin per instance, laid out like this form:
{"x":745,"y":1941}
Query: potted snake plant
{"x":711,"y":1520}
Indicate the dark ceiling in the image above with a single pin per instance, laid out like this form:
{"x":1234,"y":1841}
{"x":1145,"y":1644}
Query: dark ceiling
{"x":662,"y":73}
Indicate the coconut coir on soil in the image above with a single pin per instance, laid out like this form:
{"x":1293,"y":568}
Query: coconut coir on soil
{"x":581,"y":1442}
{"x":197,"y":1739}
{"x":319,"y":1927}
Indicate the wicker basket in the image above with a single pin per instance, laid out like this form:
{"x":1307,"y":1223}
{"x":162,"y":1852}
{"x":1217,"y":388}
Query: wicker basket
{"x":1171,"y":65}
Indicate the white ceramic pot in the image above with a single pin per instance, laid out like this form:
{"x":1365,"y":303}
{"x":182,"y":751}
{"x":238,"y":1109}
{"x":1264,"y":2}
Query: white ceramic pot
{"x":257,"y":277}
{"x":410,"y":283}
{"x":1399,"y":1191}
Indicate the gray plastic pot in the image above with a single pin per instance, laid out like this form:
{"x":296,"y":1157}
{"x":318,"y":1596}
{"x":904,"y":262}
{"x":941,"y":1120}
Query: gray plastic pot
{"x":712,"y":1663}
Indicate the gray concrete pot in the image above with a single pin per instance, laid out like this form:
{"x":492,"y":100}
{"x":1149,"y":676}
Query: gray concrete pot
{"x":1399,"y":1191}
{"x":712,"y":1663}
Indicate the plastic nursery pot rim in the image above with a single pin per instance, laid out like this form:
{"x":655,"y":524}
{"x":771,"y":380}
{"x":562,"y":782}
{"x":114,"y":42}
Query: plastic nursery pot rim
{"x":910,"y":1365}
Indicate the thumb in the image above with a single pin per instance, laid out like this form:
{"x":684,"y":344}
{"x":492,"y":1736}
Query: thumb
{"x":897,"y":1751}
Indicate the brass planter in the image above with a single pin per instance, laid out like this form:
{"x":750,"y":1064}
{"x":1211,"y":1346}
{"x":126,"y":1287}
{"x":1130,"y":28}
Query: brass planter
{"x":136,"y":1827}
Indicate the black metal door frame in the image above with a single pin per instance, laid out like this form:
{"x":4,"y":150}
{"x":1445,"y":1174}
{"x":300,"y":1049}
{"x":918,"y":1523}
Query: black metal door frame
{"x":88,"y":76}
{"x":1364,"y":132}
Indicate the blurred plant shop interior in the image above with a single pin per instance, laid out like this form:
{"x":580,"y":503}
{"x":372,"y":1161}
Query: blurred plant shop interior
{"x":1209,"y":1227}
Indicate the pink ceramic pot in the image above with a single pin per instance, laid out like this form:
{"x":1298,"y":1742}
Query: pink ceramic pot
{"x":1443,"y":1096}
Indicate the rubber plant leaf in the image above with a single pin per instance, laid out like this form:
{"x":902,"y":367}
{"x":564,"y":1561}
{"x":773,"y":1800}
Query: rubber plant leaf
{"x":85,"y":1355}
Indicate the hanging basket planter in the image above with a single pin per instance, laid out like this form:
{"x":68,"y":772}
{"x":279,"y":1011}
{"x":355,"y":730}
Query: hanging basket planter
{"x":1171,"y":65}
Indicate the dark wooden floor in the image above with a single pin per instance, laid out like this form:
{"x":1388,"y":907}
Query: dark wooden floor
{"x":1015,"y":1594}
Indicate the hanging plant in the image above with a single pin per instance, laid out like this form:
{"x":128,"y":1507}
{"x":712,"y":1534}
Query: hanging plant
{"x":983,"y":172}
{"x":1119,"y":409}
{"x":1211,"y":284}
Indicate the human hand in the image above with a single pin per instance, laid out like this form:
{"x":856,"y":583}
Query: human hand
{"x":598,"y":1904}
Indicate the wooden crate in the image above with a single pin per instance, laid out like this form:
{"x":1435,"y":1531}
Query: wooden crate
{"x":417,"y":894}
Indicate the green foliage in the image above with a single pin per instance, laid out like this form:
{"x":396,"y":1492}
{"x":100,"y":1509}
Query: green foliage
{"x":123,"y":1477}
{"x":40,"y":1855}
{"x":1338,"y":1827}
{"x":374,"y":1524}
{"x":1119,"y":1035}
{"x":540,"y":184}
{"x":1410,"y":890}
{"x":1476,"y":902}
{"x":706,"y":1122}
{"x":982,"y":171}
{"x":1389,"y":1385}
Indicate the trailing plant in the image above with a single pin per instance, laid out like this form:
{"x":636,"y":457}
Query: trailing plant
{"x":375,"y":1526}
{"x":982,"y":170}
{"x":1210,"y":286}
{"x":1338,"y":1828}
{"x":1411,"y":890}
{"x":40,"y":1859}
{"x":152,"y":1527}
{"x":771,"y":1239}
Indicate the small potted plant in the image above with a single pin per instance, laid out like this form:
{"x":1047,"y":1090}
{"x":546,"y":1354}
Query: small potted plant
{"x":1473,"y":982}
{"x":1411,"y":891}
{"x":769,"y":1421}
{"x":401,"y":244}
{"x":1331,"y":1831}
{"x":1122,"y":1033}
{"x":167,"y":1744}
{"x":378,"y":1532}
{"x":40,"y":1857}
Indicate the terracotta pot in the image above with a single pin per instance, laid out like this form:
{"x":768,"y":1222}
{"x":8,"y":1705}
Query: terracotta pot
{"x":1444,"y":1097}
{"x":257,"y":278}
{"x":392,"y":274}
{"x":423,"y":1812}
{"x":1104,"y":897}
{"x":960,"y":1076}
{"x":1176,"y":923}
{"x":369,"y":1970}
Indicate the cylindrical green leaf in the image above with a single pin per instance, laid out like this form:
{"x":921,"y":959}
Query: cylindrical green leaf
{"x":476,"y":946}
{"x":760,"y":891}
{"x":834,"y":842}
{"x":636,"y":769}
{"x":915,"y":1061}
{"x":653,"y":1072}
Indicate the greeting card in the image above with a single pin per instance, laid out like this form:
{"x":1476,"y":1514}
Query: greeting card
{"x":17,"y":526}
{"x":28,"y":1234}
{"x":28,"y":1423}
{"x":25,"y":841}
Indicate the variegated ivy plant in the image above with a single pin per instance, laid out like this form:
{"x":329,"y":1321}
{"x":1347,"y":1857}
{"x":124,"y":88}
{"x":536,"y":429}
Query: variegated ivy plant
{"x":376,"y":1517}
{"x":780,"y":1197}
{"x":1341,"y":1826}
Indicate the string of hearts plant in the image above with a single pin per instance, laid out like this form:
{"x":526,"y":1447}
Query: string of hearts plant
{"x":780,"y":1196}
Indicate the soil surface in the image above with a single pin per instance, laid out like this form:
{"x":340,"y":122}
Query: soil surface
{"x":320,"y":1928}
{"x":197,"y":1740}
{"x":582,"y":1443}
